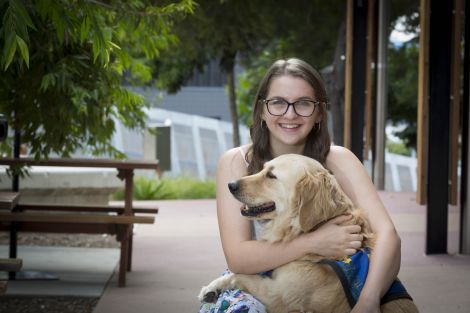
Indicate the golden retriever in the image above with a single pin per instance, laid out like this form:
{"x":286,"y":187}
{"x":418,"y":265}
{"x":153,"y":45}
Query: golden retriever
{"x":296,"y":194}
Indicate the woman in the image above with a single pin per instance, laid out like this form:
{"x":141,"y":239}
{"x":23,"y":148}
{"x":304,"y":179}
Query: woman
{"x":290,"y":116}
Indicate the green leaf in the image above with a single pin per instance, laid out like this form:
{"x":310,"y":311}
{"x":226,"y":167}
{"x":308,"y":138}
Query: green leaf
{"x":20,"y":10}
{"x":23,"y":49}
{"x":47,"y":81}
{"x":84,"y":28}
{"x":114,"y":45}
{"x":59,"y":24}
{"x":96,"y":47}
{"x":10,"y":49}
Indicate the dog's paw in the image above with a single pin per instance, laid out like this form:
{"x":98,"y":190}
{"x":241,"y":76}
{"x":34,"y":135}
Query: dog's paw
{"x":208,"y":295}
{"x":211,"y":292}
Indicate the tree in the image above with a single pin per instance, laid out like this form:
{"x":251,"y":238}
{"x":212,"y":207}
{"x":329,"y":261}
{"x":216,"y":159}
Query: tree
{"x":403,"y":91}
{"x":64,"y":62}
{"x":241,"y":31}
{"x":310,"y":30}
{"x":315,"y":31}
{"x":218,"y":30}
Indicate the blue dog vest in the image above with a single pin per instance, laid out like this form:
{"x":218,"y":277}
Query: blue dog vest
{"x":352,"y":272}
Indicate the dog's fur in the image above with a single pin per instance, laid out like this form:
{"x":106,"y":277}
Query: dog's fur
{"x":297,"y":194}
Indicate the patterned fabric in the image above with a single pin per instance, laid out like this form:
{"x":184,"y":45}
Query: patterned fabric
{"x":233,"y":301}
{"x":352,"y":273}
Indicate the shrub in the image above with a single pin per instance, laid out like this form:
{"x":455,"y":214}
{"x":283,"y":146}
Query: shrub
{"x":398,"y":148}
{"x":170,"y":188}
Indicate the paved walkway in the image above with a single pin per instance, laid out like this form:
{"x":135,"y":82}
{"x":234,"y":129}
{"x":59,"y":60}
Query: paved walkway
{"x":181,"y":252}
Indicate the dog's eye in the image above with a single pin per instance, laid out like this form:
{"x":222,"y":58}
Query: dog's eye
{"x":270,"y":175}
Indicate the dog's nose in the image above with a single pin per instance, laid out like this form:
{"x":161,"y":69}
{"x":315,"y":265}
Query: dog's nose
{"x":233,"y":186}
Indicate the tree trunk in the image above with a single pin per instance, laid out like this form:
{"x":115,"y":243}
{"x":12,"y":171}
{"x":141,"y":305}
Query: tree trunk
{"x":337,"y":108}
{"x":333,"y":76}
{"x":233,"y":106}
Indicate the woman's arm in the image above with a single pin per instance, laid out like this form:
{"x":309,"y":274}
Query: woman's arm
{"x":386,"y":257}
{"x":248,"y":256}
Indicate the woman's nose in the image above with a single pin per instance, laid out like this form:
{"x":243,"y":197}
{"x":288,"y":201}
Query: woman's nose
{"x":290,"y":113}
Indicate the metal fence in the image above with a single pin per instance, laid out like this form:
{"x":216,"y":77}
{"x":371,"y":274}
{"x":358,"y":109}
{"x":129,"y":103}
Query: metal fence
{"x":197,"y":142}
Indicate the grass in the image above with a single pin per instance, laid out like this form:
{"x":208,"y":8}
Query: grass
{"x":398,"y":148}
{"x":170,"y":188}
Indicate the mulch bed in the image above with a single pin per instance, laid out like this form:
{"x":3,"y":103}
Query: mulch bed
{"x":50,"y":304}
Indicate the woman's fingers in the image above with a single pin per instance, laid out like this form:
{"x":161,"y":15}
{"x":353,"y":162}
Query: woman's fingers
{"x":350,"y":251}
{"x":357,"y":237}
{"x":353,"y":229}
{"x":356,"y":244}
{"x":353,"y":247}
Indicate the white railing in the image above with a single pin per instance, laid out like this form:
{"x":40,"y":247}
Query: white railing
{"x":402,"y":171}
{"x":197,"y":142}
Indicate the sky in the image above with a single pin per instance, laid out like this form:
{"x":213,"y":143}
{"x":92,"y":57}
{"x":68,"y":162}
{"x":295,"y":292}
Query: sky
{"x":398,"y":35}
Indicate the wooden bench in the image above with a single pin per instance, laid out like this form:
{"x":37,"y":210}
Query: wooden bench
{"x":86,"y":221}
{"x":8,"y":265}
{"x":93,"y":219}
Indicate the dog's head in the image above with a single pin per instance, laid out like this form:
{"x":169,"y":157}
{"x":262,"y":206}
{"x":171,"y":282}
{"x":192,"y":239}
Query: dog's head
{"x":293,"y":191}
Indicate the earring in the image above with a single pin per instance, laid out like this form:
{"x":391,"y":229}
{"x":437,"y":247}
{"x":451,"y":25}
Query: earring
{"x":263,"y":123}
{"x":318,"y":126}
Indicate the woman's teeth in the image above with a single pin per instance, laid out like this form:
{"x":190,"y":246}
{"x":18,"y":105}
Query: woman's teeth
{"x":289,"y":125}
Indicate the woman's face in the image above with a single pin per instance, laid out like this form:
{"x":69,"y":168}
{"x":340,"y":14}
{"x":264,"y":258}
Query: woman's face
{"x":290,"y":129}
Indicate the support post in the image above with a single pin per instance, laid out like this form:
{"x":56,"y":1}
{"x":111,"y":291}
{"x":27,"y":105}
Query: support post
{"x":440,"y":46}
{"x":465,"y":185}
{"x":382,"y":95}
{"x":358,"y":90}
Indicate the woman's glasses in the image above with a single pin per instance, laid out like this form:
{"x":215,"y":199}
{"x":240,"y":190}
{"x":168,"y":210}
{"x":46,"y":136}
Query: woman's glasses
{"x":279,"y":106}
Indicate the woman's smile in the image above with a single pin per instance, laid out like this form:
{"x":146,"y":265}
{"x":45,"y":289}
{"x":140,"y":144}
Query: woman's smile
{"x":289,"y":126}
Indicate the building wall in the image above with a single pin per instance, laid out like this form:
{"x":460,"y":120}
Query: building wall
{"x":209,"y":102}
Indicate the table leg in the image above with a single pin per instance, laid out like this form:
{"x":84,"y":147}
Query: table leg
{"x":13,"y":247}
{"x":129,"y":185}
{"x":124,"y":239}
{"x":129,"y":258}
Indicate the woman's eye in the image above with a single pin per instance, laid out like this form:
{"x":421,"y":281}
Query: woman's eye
{"x":270,"y":175}
{"x":277,"y":102}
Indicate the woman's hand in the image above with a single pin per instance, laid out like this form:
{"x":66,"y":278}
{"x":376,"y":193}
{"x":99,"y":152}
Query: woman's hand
{"x":335,"y":240}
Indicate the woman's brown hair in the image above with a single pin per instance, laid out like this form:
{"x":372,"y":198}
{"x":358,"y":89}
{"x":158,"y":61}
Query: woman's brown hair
{"x":318,"y":140}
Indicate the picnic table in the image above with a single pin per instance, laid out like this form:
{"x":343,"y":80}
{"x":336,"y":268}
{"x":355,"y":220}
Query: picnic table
{"x":80,"y":218}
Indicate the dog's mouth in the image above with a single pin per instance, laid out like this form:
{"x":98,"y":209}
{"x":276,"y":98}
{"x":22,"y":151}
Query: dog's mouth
{"x":256,"y":210}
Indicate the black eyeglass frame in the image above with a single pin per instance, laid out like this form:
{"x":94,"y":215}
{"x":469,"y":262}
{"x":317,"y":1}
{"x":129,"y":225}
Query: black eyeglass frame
{"x":315,"y":103}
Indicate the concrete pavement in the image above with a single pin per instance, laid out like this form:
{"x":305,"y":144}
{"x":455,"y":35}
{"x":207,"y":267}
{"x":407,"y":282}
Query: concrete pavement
{"x":181,"y":252}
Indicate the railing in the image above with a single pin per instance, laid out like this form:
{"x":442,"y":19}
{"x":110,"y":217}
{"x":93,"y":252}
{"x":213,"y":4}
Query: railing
{"x":197,"y":142}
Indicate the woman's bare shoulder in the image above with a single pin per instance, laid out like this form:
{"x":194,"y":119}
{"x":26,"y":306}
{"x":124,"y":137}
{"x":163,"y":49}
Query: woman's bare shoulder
{"x":233,"y":161}
{"x":340,"y":157}
{"x":338,"y":152}
{"x":237,"y":153}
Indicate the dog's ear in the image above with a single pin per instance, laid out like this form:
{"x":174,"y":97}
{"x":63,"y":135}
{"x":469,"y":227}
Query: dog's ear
{"x":309,"y":212}
{"x":321,"y":199}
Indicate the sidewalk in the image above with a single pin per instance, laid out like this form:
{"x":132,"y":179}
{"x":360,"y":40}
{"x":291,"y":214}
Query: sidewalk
{"x":173,"y":259}
{"x":178,"y":254}
{"x":182,"y":252}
